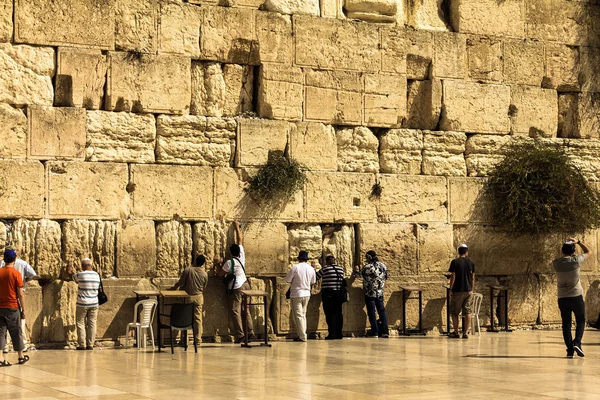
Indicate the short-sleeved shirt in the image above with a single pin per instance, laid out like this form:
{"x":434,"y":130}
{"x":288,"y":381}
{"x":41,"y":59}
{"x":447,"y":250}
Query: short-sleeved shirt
{"x":10,"y":283}
{"x":374,"y":276}
{"x":239,"y":263}
{"x":88,"y":284}
{"x":463,"y":269}
{"x":567,"y":275}
{"x":331,"y":277}
{"x":27,"y":272}
{"x":193,"y":280}
{"x":301,"y":277}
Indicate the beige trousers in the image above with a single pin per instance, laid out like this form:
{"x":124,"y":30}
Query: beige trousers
{"x":86,"y":325}
{"x":235,"y":305}
{"x":299,"y":305}
{"x":198,"y":300}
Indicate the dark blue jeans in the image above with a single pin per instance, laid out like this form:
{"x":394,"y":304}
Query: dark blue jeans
{"x":376,"y":303}
{"x":568,"y":306}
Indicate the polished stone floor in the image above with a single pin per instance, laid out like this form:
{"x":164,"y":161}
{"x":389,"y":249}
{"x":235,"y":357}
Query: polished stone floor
{"x":518,"y":365}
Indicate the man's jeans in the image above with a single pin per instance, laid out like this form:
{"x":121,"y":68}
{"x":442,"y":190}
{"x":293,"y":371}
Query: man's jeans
{"x":376,"y":303}
{"x":568,"y":306}
{"x":86,"y":325}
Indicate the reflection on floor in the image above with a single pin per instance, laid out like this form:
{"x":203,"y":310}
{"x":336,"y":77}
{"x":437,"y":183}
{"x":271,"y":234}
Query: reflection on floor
{"x":518,"y":365}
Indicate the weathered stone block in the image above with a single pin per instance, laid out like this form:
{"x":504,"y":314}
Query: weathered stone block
{"x":335,"y":196}
{"x":114,"y":316}
{"x":274,"y":34}
{"x":136,"y":25}
{"x":413,"y":198}
{"x":584,"y":155}
{"x":173,"y":248}
{"x":557,"y":21}
{"x":395,"y":44}
{"x":485,"y":57}
{"x":483,"y":152}
{"x":86,"y":23}
{"x":179,"y":28}
{"x":357,"y":150}
{"x":373,"y":10}
{"x":436,"y":248}
{"x":228,"y":35}
{"x":267,"y":249}
{"x":568,"y":115}
{"x":474,"y":107}
{"x":26,"y":74}
{"x":103,"y":184}
{"x":210,"y":239}
{"x":136,"y":248}
{"x":443,"y":153}
{"x":384,"y":100}
{"x":549,"y":312}
{"x":13,"y":132}
{"x":257,"y":138}
{"x":524,"y":298}
{"x":19,"y":178}
{"x":336,"y":44}
{"x":535,"y":111}
{"x":523,"y":62}
{"x":239,"y":85}
{"x":33,"y":311}
{"x":58,"y":312}
{"x":450,"y":55}
{"x":395,"y":245}
{"x":334,"y":97}
{"x":589,"y":69}
{"x":338,"y":241}
{"x":173,"y":199}
{"x":400,"y":151}
{"x":280,"y":92}
{"x":191,"y":139}
{"x":56,"y":132}
{"x":466,"y":202}
{"x":310,"y":7}
{"x":426,"y":15}
{"x":6,"y":20}
{"x":424,"y":104}
{"x":148,"y":83}
{"x":208,"y":89}
{"x":39,"y":243}
{"x":314,"y":145}
{"x":586,"y":120}
{"x":120,"y":137}
{"x":305,"y":237}
{"x":488,"y":17}
{"x":90,"y":239}
{"x":80,"y":78}
{"x":562,"y":67}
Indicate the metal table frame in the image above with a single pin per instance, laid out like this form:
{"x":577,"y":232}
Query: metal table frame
{"x":245,"y":304}
{"x":502,"y":293}
{"x":406,"y":290}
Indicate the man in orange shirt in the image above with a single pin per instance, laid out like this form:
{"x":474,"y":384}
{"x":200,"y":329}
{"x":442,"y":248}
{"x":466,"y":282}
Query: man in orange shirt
{"x":12,"y":306}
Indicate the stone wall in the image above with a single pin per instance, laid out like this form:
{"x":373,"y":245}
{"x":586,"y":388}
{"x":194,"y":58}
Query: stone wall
{"x":130,"y":129}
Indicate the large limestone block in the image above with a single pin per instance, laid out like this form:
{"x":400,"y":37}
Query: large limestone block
{"x":314,"y":145}
{"x":209,"y":238}
{"x":535,"y":111}
{"x":274,"y":34}
{"x":239,"y":86}
{"x":427,"y":15}
{"x":104,"y":185}
{"x":443,"y":153}
{"x":562,"y":67}
{"x":33,"y":311}
{"x":568,"y":114}
{"x":136,"y":25}
{"x":334,"y":97}
{"x":22,"y":188}
{"x":584,"y":155}
{"x":357,"y":150}
{"x":257,"y":138}
{"x":523,"y":299}
{"x":13,"y":132}
{"x":337,"y":196}
{"x":208,"y":89}
{"x":339,"y":241}
{"x":148,"y":83}
{"x":384,"y":100}
{"x":407,"y":51}
{"x":450,"y":55}
{"x":523,"y":62}
{"x":80,"y":78}
{"x":413,"y":198}
{"x":39,"y":243}
{"x":6,"y":20}
{"x":216,"y":320}
{"x":484,"y":152}
{"x":305,"y":237}
{"x":549,"y":312}
{"x":136,"y":248}
{"x":400,"y":151}
{"x":179,"y":28}
{"x":56,"y":132}
{"x":486,"y":59}
{"x":373,"y":10}
{"x":557,"y":21}
{"x":58,"y":312}
{"x":280,"y":92}
{"x":589,"y":69}
{"x":90,"y":239}
{"x":191,"y":139}
{"x":266,"y":247}
{"x":233,"y":201}
{"x":436,"y":248}
{"x":173,"y":248}
{"x":466,"y":204}
{"x":290,"y":7}
{"x":120,"y":137}
{"x":114,"y":316}
{"x":424,"y":104}
{"x":86,"y":23}
{"x":336,"y":44}
{"x":228,"y":35}
{"x":26,"y":74}
{"x":434,"y":302}
{"x":488,"y":17}
{"x":3,"y":232}
{"x":395,"y":245}
{"x":161,"y":191}
{"x":474,"y":107}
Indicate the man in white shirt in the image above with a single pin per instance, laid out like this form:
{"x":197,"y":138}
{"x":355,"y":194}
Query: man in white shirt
{"x":301,"y":277}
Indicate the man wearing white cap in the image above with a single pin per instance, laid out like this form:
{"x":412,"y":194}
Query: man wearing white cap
{"x":462,"y":283}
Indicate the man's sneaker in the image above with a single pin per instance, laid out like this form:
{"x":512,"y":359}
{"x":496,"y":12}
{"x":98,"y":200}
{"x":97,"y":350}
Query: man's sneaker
{"x":577,"y":348}
{"x":454,"y":335}
{"x":297,"y":339}
{"x":239,"y":340}
{"x":251,"y":337}
{"x":329,"y":337}
{"x":384,"y":335}
{"x":372,"y":334}
{"x":465,"y":336}
{"x":570,"y":353}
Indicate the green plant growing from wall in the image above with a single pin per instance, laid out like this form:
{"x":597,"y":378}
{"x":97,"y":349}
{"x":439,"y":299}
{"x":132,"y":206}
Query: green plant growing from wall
{"x":536,"y":189}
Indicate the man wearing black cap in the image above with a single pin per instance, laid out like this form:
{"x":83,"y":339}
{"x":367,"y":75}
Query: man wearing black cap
{"x":374,"y":274}
{"x":300,"y":278}
{"x":462,"y":282}
{"x":12,"y":306}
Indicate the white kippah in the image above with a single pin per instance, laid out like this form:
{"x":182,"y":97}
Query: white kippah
{"x":463,"y":246}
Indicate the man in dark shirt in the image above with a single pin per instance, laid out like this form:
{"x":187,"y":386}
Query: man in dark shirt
{"x":332,"y":277}
{"x":462,"y":283}
{"x":194,"y":280}
{"x":374,"y":274}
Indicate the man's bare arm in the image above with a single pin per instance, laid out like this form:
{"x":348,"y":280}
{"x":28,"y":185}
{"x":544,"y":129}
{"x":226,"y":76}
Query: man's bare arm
{"x":239,"y":237}
{"x":452,"y":279}
{"x":21,"y":295}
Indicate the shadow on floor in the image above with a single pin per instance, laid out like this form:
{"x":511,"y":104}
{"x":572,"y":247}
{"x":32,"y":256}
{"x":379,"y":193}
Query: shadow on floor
{"x":486,"y":356}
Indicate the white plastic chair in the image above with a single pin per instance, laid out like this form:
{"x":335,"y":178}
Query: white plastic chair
{"x":145,"y":322}
{"x":476,"y":307}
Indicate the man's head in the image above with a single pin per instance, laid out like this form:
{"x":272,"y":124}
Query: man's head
{"x":234,"y":249}
{"x":330,"y":260}
{"x":199,"y":261}
{"x":463,"y":250}
{"x":10,"y":256}
{"x":86,"y":264}
{"x":371,"y":256}
{"x":568,"y":248}
{"x":303,"y":256}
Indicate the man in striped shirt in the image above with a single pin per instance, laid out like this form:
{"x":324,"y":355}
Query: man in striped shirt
{"x":88,"y":282}
{"x":332,"y":276}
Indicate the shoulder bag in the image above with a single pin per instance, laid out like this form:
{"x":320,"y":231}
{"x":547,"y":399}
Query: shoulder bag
{"x":102,"y":297}
{"x":230,"y":278}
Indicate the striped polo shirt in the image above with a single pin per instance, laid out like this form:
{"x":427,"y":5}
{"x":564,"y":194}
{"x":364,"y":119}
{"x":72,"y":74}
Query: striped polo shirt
{"x":331,"y":277}
{"x":88,"y":284}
